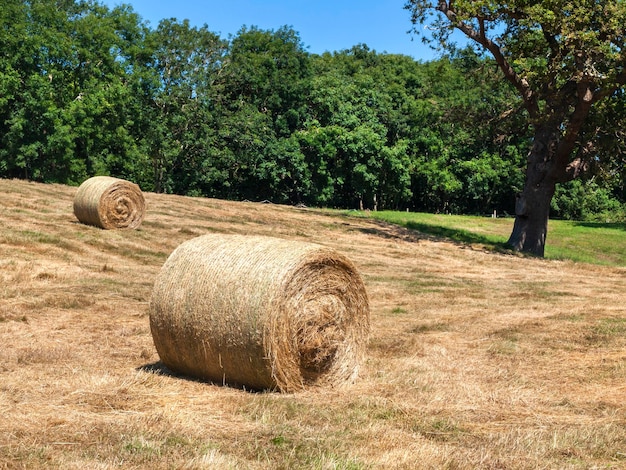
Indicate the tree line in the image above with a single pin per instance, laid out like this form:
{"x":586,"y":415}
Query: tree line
{"x":87,"y":90}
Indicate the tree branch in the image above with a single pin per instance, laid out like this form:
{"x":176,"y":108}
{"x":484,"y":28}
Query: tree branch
{"x":572,"y":132}
{"x":481,"y":38}
{"x":620,"y":81}
{"x":553,"y":44}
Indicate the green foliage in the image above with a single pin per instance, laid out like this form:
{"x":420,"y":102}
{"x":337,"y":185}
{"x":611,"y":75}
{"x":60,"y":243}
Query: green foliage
{"x":182,"y":132}
{"x":68,"y":108}
{"x":461,"y":167}
{"x":88,"y":90}
{"x":587,"y":201}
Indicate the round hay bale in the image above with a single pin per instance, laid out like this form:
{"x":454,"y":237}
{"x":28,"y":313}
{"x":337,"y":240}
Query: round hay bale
{"x":109,"y":203}
{"x":260,"y":312}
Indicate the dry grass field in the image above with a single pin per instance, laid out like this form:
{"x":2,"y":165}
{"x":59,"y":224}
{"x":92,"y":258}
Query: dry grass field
{"x":476,"y":360}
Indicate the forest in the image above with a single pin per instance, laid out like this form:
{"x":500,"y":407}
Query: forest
{"x":88,"y":90}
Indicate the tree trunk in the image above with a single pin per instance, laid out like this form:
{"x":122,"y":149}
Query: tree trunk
{"x":532,"y":206}
{"x":532,"y":210}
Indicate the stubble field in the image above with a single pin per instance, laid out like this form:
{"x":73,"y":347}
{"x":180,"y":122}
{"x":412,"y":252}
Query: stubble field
{"x":476,"y":360}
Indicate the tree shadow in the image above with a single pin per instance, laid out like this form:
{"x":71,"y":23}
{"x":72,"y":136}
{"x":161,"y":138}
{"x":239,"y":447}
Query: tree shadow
{"x":456,"y":235}
{"x":391,"y":231}
{"x":609,"y":225}
{"x":416,"y":231}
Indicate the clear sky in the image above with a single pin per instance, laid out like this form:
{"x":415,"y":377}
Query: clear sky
{"x":323,"y":25}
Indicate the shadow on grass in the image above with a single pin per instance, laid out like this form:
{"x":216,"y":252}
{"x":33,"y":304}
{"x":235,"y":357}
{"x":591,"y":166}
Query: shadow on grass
{"x":158,"y":368}
{"x":415,"y":231}
{"x":456,"y":235}
{"x":608,"y":225}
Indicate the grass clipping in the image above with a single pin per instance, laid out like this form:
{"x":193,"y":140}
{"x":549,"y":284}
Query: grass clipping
{"x":260,"y":312}
{"x":109,"y":203}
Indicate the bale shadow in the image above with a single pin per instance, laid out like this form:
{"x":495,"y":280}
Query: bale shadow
{"x":158,"y":368}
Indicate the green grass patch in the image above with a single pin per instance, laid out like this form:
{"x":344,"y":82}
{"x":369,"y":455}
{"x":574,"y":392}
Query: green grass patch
{"x":425,"y":284}
{"x":597,"y":243}
{"x":428,"y":327}
{"x":588,"y":242}
{"x":439,"y":429}
{"x":542,"y":291}
{"x":145,"y":256}
{"x":398,"y":311}
{"x":30,"y":237}
{"x":606,"y":331}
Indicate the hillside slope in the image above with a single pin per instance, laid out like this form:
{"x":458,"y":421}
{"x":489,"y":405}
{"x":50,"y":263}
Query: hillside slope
{"x":475,"y":360}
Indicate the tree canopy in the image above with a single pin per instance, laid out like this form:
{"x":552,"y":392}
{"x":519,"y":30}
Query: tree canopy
{"x":87,"y":90}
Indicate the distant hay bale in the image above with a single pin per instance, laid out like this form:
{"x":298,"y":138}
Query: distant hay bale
{"x":260,"y":312}
{"x":109,"y":203}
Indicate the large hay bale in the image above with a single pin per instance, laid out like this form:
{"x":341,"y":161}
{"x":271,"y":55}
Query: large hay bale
{"x":109,"y":203}
{"x":260,"y":312}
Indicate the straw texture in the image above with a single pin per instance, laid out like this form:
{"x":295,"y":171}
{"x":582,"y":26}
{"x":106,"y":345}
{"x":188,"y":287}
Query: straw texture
{"x":260,"y":312}
{"x":109,"y":203}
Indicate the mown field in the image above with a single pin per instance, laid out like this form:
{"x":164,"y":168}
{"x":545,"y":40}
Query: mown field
{"x":477,"y":359}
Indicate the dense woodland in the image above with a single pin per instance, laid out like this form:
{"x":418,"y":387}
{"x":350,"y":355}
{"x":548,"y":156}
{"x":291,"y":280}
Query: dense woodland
{"x":87,"y":90}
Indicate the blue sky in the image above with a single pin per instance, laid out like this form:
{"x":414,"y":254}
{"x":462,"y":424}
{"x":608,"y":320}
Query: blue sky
{"x":323,"y":25}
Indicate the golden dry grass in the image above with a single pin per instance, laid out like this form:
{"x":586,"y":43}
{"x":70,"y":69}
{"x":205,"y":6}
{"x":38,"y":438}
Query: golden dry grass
{"x":476,"y":360}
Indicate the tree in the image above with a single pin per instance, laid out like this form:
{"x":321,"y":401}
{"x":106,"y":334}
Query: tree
{"x":459,"y":166}
{"x":565,"y":59}
{"x":263,"y":89}
{"x":353,"y":140}
{"x":68,"y":108}
{"x":187,"y":61}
